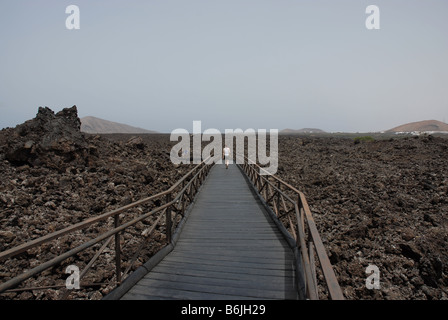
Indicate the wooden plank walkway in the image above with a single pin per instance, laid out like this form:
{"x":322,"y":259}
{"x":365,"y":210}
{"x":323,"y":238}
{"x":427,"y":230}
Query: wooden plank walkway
{"x":229,"y":249}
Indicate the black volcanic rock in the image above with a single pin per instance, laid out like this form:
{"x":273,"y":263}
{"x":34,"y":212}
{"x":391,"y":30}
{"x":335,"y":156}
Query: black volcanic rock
{"x":380,"y":203}
{"x":53,"y":176}
{"x":49,"y":139}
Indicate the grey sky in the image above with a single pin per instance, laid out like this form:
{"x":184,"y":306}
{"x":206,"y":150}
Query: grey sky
{"x":230,"y":63}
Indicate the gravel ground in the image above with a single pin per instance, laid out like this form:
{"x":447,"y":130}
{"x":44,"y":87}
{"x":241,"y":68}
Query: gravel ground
{"x":381,"y":202}
{"x":54,"y":176}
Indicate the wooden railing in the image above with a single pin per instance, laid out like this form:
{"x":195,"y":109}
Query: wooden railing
{"x":291,"y":209}
{"x":171,"y":204}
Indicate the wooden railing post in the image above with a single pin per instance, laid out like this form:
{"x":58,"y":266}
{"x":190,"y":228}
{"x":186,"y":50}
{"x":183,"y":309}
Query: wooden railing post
{"x":168,"y":219}
{"x":117,"y":249}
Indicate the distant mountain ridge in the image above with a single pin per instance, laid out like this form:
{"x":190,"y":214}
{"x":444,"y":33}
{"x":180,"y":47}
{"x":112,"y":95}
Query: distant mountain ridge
{"x":303,"y":130}
{"x":426,"y":125}
{"x":91,"y":124}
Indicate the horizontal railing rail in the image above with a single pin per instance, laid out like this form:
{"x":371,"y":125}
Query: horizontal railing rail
{"x":292,"y":210}
{"x":171,"y":204}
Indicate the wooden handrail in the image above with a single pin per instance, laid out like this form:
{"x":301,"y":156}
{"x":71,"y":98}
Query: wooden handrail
{"x":197,"y":173}
{"x":253,"y":171}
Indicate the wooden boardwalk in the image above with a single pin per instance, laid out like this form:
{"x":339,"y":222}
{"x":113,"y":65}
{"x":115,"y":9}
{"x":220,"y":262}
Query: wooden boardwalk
{"x":228,"y":249}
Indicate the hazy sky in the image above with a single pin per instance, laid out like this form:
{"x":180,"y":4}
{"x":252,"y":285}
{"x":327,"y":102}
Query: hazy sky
{"x":230,"y":63}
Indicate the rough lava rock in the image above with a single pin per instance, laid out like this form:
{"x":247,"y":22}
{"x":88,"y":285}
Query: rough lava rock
{"x":51,"y":140}
{"x":382,"y":202}
{"x":53,"y":176}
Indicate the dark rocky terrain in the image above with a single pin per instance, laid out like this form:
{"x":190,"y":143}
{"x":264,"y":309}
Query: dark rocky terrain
{"x":53,"y":176}
{"x":381,"y":202}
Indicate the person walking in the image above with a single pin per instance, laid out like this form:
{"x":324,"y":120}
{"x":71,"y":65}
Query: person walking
{"x":226,"y":152}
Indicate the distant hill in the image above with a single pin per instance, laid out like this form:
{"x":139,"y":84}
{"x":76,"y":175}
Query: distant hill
{"x":303,"y":130}
{"x":426,"y":125}
{"x":97,"y":125}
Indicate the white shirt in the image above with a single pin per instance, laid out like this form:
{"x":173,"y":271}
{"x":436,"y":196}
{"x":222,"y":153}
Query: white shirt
{"x":226,"y":151}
